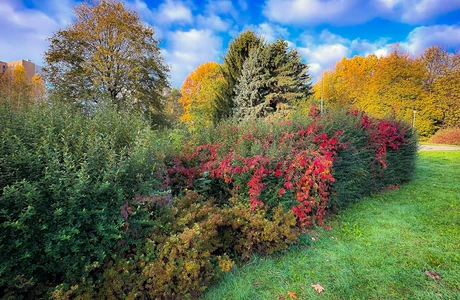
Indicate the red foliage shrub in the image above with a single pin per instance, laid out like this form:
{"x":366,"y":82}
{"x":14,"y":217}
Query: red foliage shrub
{"x":293,"y":167}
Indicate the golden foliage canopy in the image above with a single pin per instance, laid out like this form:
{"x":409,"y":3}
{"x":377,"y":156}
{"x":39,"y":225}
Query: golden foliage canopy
{"x":399,"y":85}
{"x":200,"y":92}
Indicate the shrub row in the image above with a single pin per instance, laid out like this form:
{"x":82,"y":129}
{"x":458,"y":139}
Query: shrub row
{"x":94,"y":206}
{"x":306,"y":164}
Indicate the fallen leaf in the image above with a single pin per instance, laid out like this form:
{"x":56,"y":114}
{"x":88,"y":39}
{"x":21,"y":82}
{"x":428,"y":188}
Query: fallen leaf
{"x":433,"y":275}
{"x":281,"y":298}
{"x":318,"y":288}
{"x":292,"y":295}
{"x":256,"y":283}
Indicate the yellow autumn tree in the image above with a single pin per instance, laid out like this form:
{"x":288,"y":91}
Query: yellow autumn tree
{"x":398,"y":84}
{"x":395,"y":86}
{"x":442,"y":85}
{"x":107,"y":53}
{"x":347,"y":83}
{"x":15,"y":88}
{"x":200,"y":95}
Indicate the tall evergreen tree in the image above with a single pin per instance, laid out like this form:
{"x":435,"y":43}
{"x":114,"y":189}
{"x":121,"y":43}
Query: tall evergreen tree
{"x":249,"y":101}
{"x":237,"y":53}
{"x":287,"y":78}
{"x":272,"y":75}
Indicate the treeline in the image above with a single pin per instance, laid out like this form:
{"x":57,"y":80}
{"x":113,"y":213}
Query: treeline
{"x":427,"y":86}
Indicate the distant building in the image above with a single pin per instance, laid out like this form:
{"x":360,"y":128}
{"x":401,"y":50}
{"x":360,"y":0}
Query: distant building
{"x":3,"y":66}
{"x":30,"y":68}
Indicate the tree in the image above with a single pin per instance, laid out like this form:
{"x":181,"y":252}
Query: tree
{"x":347,"y":84}
{"x":107,"y":53}
{"x":271,"y":76}
{"x":37,"y":89}
{"x":172,"y":108}
{"x":200,"y":92}
{"x":442,"y":85}
{"x":238,"y":51}
{"x":15,"y":89}
{"x":249,"y":101}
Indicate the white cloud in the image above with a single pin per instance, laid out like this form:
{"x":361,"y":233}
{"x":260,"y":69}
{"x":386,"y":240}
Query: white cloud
{"x":142,"y":8}
{"x":325,"y":50}
{"x":173,"y":12}
{"x":322,"y":57}
{"x":270,"y":32}
{"x":188,"y":49}
{"x":328,"y":37}
{"x":419,"y":11}
{"x":25,"y":31}
{"x":382,"y":52}
{"x":312,"y":12}
{"x":365,"y":47}
{"x":242,"y":4}
{"x":223,"y":7}
{"x":439,"y":35}
{"x":26,"y":19}
{"x":220,"y":7}
{"x":213,"y":22}
{"x":341,"y":12}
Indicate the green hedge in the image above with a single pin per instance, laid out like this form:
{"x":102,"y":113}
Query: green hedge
{"x":64,"y":176}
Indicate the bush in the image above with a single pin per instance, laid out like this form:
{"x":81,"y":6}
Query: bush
{"x":379,"y":153}
{"x":198,"y":241}
{"x":92,"y":207}
{"x":308,"y":164}
{"x":64,"y":177}
{"x":448,"y":136}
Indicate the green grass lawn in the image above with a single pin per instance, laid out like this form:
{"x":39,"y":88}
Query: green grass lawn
{"x":377,"y":249}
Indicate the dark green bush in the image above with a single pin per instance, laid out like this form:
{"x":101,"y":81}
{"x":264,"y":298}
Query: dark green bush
{"x":64,"y":176}
{"x":356,"y":170}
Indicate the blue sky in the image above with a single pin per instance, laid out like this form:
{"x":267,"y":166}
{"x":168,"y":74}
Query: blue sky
{"x":195,"y":31}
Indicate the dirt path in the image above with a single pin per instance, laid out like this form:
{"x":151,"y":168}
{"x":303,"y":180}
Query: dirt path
{"x":437,"y":147}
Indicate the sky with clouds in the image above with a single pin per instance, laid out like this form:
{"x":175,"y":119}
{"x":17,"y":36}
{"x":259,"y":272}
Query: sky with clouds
{"x":195,"y":31}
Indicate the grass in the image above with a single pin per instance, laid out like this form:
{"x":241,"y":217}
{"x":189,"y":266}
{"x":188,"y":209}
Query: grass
{"x":378,"y":249}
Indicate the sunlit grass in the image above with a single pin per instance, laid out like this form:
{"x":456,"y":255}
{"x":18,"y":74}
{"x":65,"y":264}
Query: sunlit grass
{"x":378,"y":248}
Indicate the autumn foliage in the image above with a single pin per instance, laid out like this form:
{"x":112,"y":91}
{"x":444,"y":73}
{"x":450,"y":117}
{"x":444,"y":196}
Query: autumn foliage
{"x":200,"y":93}
{"x":293,"y":165}
{"x":17,"y":91}
{"x":449,"y":136}
{"x":398,"y":84}
{"x":167,"y":217}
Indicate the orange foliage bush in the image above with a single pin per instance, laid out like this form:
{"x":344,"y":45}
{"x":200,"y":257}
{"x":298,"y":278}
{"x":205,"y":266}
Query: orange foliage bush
{"x":450,"y":136}
{"x":196,"y":241}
